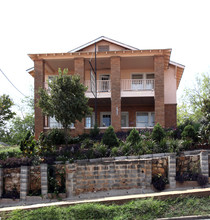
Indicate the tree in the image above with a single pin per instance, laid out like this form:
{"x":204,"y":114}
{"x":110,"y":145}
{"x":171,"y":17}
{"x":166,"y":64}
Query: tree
{"x":65,"y":100}
{"x":5,"y":109}
{"x":192,"y":102}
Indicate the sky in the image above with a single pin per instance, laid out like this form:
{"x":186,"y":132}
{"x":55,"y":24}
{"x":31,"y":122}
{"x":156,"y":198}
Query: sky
{"x":48,"y":26}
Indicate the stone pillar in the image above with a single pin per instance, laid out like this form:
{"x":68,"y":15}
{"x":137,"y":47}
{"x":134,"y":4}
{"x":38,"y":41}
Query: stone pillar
{"x":172,"y":171}
{"x":159,"y":90}
{"x":1,"y":181}
{"x":70,"y":180}
{"x":24,"y":182}
{"x":148,"y":179}
{"x":115,"y":93}
{"x":204,"y":163}
{"x":44,"y":180}
{"x":79,"y":68}
{"x":38,"y":83}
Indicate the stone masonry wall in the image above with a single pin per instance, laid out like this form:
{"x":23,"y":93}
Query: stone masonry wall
{"x":160,"y":166}
{"x":11,"y":179}
{"x":188,"y":164}
{"x":104,"y":176}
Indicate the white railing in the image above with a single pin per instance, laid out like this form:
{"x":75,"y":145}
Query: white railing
{"x":102,"y":85}
{"x":137,"y":84}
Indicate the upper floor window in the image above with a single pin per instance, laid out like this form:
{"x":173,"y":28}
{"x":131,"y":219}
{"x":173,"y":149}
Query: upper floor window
{"x":102,"y":48}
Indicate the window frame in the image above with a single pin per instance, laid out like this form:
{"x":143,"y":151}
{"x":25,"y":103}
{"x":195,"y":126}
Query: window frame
{"x":101,"y":118}
{"x":149,"y":115}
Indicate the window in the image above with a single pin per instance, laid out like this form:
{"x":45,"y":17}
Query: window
{"x":124,"y":119}
{"x":102,"y":48}
{"x":105,"y":119}
{"x":104,"y":83}
{"x":90,"y":121}
{"x":137,"y":82}
{"x":145,"y":119}
{"x":150,"y":81}
{"x":54,"y":124}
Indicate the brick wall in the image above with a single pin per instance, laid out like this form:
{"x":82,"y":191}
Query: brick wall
{"x":159,"y":90}
{"x":79,"y":68}
{"x":115,"y":93}
{"x":38,"y":83}
{"x":170,"y":115}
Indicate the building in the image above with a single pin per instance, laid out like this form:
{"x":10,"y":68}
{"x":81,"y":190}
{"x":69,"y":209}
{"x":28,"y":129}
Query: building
{"x":135,"y":88}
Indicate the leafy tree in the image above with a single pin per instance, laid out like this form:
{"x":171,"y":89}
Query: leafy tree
{"x":192,"y":102}
{"x":65,"y":100}
{"x":5,"y":109}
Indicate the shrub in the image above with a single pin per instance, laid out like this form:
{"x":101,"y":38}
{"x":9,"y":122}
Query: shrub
{"x":28,"y":144}
{"x":189,"y":132}
{"x":100,"y":150}
{"x":159,"y":182}
{"x":202,"y":180}
{"x":10,"y":153}
{"x":163,"y":146}
{"x":186,"y":144}
{"x":158,"y":133}
{"x":133,"y":137}
{"x":16,"y":162}
{"x":109,"y":138}
{"x":95,"y":131}
{"x":115,"y":151}
{"x":56,"y":136}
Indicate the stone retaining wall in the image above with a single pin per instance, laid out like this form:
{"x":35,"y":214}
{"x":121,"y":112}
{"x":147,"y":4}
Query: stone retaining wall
{"x":133,"y":174}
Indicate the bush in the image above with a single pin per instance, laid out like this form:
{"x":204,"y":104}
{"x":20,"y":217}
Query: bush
{"x":56,"y":136}
{"x":163,"y":146}
{"x":115,"y":151}
{"x":189,"y":132}
{"x":10,"y":153}
{"x":134,"y":137}
{"x":100,"y":150}
{"x":202,"y":180}
{"x":16,"y":162}
{"x":95,"y":131}
{"x":158,"y":133}
{"x":28,"y":144}
{"x":159,"y":182}
{"x":109,"y":138}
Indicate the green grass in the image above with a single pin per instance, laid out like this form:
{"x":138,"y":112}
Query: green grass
{"x":138,"y":209}
{"x":9,"y":151}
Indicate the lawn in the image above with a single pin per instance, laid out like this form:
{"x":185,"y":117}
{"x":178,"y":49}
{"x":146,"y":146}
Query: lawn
{"x":138,"y":209}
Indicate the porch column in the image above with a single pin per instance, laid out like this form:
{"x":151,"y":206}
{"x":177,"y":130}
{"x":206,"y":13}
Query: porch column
{"x":79,"y":68}
{"x":159,"y":90}
{"x":38,"y":83}
{"x":115,"y":93}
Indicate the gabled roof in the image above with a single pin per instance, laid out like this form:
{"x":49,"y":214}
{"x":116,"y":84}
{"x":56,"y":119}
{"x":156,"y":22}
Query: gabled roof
{"x":103,"y":38}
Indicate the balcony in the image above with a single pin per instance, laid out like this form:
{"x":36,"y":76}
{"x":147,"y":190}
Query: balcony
{"x":137,"y":87}
{"x":103,"y":89}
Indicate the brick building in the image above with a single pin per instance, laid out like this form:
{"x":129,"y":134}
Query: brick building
{"x":135,"y":88}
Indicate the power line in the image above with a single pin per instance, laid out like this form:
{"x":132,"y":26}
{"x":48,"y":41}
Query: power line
{"x":12,"y":83}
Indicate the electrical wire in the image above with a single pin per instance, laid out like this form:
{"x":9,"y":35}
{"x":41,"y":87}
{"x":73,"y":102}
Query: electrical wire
{"x":12,"y":83}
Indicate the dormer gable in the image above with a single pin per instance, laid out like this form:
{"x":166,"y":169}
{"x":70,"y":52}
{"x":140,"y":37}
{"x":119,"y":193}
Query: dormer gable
{"x":103,"y":44}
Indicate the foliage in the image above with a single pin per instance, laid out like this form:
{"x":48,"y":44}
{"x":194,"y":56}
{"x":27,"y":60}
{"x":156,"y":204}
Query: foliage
{"x":202,"y":180}
{"x":56,"y":180}
{"x":189,"y":132}
{"x":95,"y":131}
{"x":109,"y":138}
{"x":66,"y":100}
{"x":16,"y":162}
{"x":136,"y":209}
{"x":5,"y":109}
{"x":193,"y":99}
{"x":7,"y":153}
{"x":28,"y":144}
{"x":159,"y":182}
{"x":158,"y":133}
{"x":56,"y":137}
{"x":100,"y":150}
{"x":134,"y":137}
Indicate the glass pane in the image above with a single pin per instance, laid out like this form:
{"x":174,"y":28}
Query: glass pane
{"x":137,"y":76}
{"x":106,"y":120}
{"x":150,"y":76}
{"x":123,"y":121}
{"x":142,"y":120}
{"x":88,"y":122}
{"x":152,"y":119}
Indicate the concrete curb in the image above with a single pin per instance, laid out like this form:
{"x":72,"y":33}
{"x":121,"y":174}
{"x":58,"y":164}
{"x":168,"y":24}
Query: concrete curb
{"x":207,"y":217}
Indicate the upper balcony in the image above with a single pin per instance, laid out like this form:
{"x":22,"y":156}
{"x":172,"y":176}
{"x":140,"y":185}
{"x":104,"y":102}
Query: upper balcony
{"x":129,"y":88}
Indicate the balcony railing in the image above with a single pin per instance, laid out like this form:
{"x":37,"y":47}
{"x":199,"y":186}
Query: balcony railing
{"x":137,"y":84}
{"x":102,"y":85}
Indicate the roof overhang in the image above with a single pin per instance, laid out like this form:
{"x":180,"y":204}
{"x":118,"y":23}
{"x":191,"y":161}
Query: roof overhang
{"x":179,"y":72}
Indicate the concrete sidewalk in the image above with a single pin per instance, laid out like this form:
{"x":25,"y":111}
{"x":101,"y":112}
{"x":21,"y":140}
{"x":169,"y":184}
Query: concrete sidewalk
{"x":115,"y":199}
